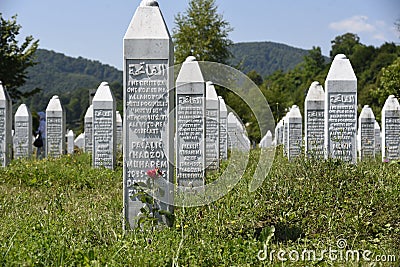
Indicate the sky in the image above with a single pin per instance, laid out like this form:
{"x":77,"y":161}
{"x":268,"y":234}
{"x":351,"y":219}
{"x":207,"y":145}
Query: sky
{"x":94,"y":29}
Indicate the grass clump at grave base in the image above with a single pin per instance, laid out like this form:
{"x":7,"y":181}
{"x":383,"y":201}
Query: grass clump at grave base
{"x":62,"y":212}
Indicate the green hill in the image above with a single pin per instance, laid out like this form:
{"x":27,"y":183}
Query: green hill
{"x":71,"y":78}
{"x":266,"y":57}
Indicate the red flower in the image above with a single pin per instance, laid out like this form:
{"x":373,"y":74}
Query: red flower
{"x":154,"y":173}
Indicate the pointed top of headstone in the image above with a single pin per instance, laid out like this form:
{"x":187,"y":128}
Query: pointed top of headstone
{"x":391,"y":103}
{"x":22,"y":111}
{"x":294,"y":112}
{"x":3,"y":92}
{"x":315,"y":92}
{"x":70,"y":133}
{"x":89,"y":112}
{"x":341,"y":69}
{"x":118,"y":117}
{"x":190,"y":72}
{"x":211,"y":94}
{"x":103,"y":93}
{"x":54,"y":104}
{"x":152,"y":3}
{"x":377,"y":127}
{"x":147,"y":23}
{"x":367,"y":113}
{"x":222,"y":105}
{"x":269,"y":134}
{"x":231,"y":118}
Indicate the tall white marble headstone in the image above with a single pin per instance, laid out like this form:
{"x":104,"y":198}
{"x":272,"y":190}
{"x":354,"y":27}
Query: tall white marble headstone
{"x":268,"y":139}
{"x":279,"y":133}
{"x":295,"y":130}
{"x":119,"y":131}
{"x":314,"y":110}
{"x":148,"y":120}
{"x":190,"y":124}
{"x":5,"y":127}
{"x":378,"y":139}
{"x":341,"y":111}
{"x":23,"y":133}
{"x":55,"y":128}
{"x":232,"y":126}
{"x":391,"y":129}
{"x":80,"y":141}
{"x":70,"y":142}
{"x":223,"y":129}
{"x":88,"y":128}
{"x":366,"y":126}
{"x":104,"y":128}
{"x":285,"y":134}
{"x":212,"y":127}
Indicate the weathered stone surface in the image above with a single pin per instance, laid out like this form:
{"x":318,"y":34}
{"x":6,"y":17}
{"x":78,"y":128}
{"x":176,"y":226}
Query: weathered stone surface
{"x":104,"y":128}
{"x":88,"y":128}
{"x":366,"y":126}
{"x":55,"y":128}
{"x":295,"y":130}
{"x":190,"y":125}
{"x":148,"y":127}
{"x":223,"y":129}
{"x":314,"y":109}
{"x":212,"y":127}
{"x":341,"y":111}
{"x":391,"y":129}
{"x":23,"y":133}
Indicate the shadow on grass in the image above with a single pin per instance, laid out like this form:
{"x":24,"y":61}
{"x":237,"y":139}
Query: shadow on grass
{"x":283,"y":233}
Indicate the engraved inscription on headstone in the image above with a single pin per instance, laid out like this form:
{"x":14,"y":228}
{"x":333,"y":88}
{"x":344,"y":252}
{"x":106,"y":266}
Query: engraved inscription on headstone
{"x":366,"y":126}
{"x":23,"y":133}
{"x":5,"y":127}
{"x":378,"y":139}
{"x":104,"y":128}
{"x":55,"y":128}
{"x":314,"y":121}
{"x":212,"y":127}
{"x":391,"y":129}
{"x":190,"y":125}
{"x":88,"y":128}
{"x":232,"y":138}
{"x":341,"y":111}
{"x":148,"y":120}
{"x":223,"y":129}
{"x":295,"y":136}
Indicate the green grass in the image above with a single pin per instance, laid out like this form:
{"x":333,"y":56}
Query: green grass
{"x":64,"y":213}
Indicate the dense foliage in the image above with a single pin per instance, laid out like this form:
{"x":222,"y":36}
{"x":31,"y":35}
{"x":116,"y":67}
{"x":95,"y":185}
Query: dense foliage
{"x":15,"y":59}
{"x":62,"y":212}
{"x":201,"y":32}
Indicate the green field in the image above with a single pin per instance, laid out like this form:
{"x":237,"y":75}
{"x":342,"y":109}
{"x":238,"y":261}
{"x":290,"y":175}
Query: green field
{"x":64,"y":213}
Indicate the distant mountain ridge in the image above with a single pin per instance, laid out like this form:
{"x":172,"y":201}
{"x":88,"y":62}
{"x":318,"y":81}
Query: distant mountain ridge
{"x":266,"y":57}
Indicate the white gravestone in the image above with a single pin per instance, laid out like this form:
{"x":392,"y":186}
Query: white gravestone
{"x":366,"y":126}
{"x":23,"y":133}
{"x":5,"y":127}
{"x":148,"y":127}
{"x":267,"y":140}
{"x":55,"y":128}
{"x":232,"y":138}
{"x":119,"y":131}
{"x":223,"y":129}
{"x":378,"y":138}
{"x":279,"y":133}
{"x":70,"y":142}
{"x":80,"y":141}
{"x":212,"y":127}
{"x":285,"y":134}
{"x":190,"y":124}
{"x":295,"y":130}
{"x":314,"y":110}
{"x":341,"y":111}
{"x":104,"y":128}
{"x":391,"y":129}
{"x":88,"y":128}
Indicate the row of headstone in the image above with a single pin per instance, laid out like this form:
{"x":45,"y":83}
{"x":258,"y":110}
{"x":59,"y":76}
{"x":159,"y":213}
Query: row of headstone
{"x":331,"y":122}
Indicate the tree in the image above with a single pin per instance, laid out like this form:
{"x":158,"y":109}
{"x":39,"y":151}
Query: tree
{"x":389,"y":82}
{"x":14,"y":59}
{"x":255,"y":77}
{"x":314,"y":62}
{"x":201,"y":32}
{"x":344,"y":44}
